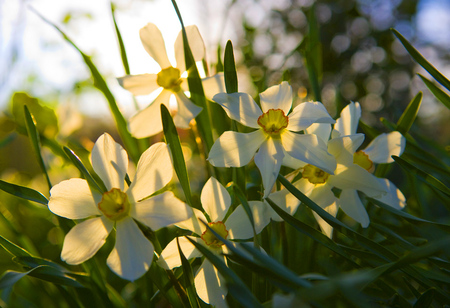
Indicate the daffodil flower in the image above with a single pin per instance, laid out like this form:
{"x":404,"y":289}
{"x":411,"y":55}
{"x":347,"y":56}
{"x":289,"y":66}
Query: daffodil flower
{"x":147,"y":122}
{"x":274,"y":137}
{"x":118,"y":207}
{"x":216,"y":201}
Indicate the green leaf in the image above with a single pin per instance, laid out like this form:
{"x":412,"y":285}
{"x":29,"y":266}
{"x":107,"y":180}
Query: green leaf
{"x":422,"y":61}
{"x":426,"y":299}
{"x":35,"y":145}
{"x":189,"y":279}
{"x":13,"y":248}
{"x":123,"y":52}
{"x":172,"y":139}
{"x":100,"y":83}
{"x":443,"y":97}
{"x":409,"y":115}
{"x":23,"y":192}
{"x":231,"y":81}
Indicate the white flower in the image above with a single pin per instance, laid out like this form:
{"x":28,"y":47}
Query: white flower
{"x":74,"y":199}
{"x":275,"y":136}
{"x":147,"y":122}
{"x":209,"y":283}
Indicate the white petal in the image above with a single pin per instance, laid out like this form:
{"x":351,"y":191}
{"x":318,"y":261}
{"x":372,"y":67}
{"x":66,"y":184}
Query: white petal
{"x":110,"y":161}
{"x":170,"y":256}
{"x":147,"y":122}
{"x":277,"y":97}
{"x":324,"y":226}
{"x":194,"y":223}
{"x":153,"y":43}
{"x":352,"y":206}
{"x":240,"y":107}
{"x":394,"y":196}
{"x":139,"y":84}
{"x":72,"y":199}
{"x":322,"y":130}
{"x":234,"y":149}
{"x":187,"y":110}
{"x":238,"y":224}
{"x":210,"y":285}
{"x":214,"y":85}
{"x":268,"y":160}
{"x":347,"y":124}
{"x":215,"y":200}
{"x":310,"y":149}
{"x":161,"y":210}
{"x":306,"y":114}
{"x":323,"y":195}
{"x":292,"y":162}
{"x":343,"y":148}
{"x":196,"y":45}
{"x":154,"y":171}
{"x":285,"y":200}
{"x":85,"y":239}
{"x":133,"y":253}
{"x":384,"y":146}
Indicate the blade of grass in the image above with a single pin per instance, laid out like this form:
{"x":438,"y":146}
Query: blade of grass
{"x":123,"y":52}
{"x":409,"y":115}
{"x":23,"y":192}
{"x":188,"y":279}
{"x":443,"y":97}
{"x":231,"y":81}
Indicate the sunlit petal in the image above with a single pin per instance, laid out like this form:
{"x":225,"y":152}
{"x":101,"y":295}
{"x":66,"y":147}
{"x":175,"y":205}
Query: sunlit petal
{"x":154,"y":171}
{"x":306,"y":114}
{"x":170,"y":256}
{"x":210,"y":285}
{"x":384,"y":146}
{"x":214,"y":85}
{"x":240,"y":107}
{"x":285,"y":200}
{"x":139,"y":84}
{"x":394,"y":196}
{"x":194,"y":223}
{"x":352,"y":206}
{"x":153,"y":43}
{"x":322,"y":130}
{"x":72,"y":199}
{"x":277,"y":97}
{"x":268,"y":160}
{"x":234,"y":149}
{"x":215,"y":199}
{"x":133,"y":253}
{"x":347,"y":124}
{"x":343,"y":148}
{"x":324,"y":226}
{"x":292,"y":162}
{"x":110,"y":161}
{"x":238,"y":224}
{"x":187,"y":110}
{"x":196,"y":45}
{"x":85,"y":239}
{"x":161,"y":210}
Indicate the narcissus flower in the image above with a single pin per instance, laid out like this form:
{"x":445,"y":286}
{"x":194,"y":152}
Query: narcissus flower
{"x":275,"y":136}
{"x":118,"y":207}
{"x":147,"y":122}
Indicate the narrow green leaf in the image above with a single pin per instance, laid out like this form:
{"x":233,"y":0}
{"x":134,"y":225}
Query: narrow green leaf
{"x":23,"y":192}
{"x":100,"y":83}
{"x":9,"y":278}
{"x":172,"y":139}
{"x":429,"y":179}
{"x":443,"y":97}
{"x":100,"y":187}
{"x":409,"y":115}
{"x":231,"y":81}
{"x":35,"y":144}
{"x":189,"y":279}
{"x":426,"y":299}
{"x":13,"y":248}
{"x":422,"y":61}
{"x":245,"y":205}
{"x":123,"y":52}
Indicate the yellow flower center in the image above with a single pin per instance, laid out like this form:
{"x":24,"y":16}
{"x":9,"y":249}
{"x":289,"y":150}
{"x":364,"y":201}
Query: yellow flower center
{"x":362,"y":159}
{"x":314,"y":174}
{"x":169,"y":79}
{"x":114,"y":204}
{"x":210,"y":239}
{"x":273,"y":121}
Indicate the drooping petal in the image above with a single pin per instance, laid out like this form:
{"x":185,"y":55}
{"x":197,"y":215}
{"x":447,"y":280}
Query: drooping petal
{"x":234,"y":149}
{"x":85,"y":239}
{"x":133,"y":253}
{"x":196,"y":45}
{"x":347,"y":124}
{"x":277,"y":97}
{"x":324,"y":226}
{"x":238,"y":224}
{"x":268,"y":160}
{"x":306,"y":114}
{"x":139,"y":84}
{"x":161,"y":210}
{"x":147,"y":122}
{"x":343,"y":148}
{"x":72,"y":199}
{"x":322,"y":195}
{"x":194,"y":223}
{"x":170,"y":256}
{"x":210,"y":285}
{"x":394,"y":196}
{"x":310,"y":149}
{"x":110,"y":161}
{"x":292,"y":162}
{"x":352,"y":206}
{"x":187,"y":110}
{"x":153,"y":172}
{"x":153,"y":43}
{"x":384,"y":146}
{"x":322,"y":130}
{"x":215,"y":200}
{"x":214,"y":85}
{"x":240,"y":107}
{"x":286,"y":201}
